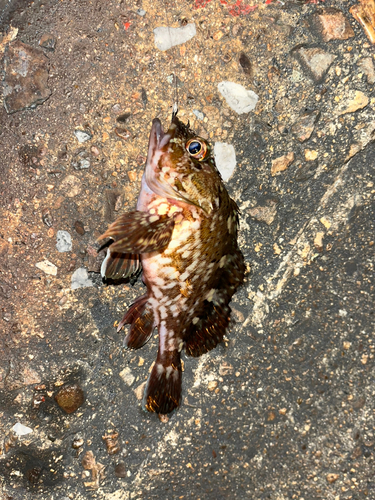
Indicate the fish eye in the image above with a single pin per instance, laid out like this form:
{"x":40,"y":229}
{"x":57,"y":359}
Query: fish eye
{"x":196,"y":148}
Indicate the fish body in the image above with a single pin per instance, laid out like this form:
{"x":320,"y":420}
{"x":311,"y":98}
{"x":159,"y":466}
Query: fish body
{"x":183,"y":235}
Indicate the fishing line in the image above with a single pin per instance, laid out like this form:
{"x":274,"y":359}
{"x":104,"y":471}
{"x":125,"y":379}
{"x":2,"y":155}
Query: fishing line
{"x":175,"y":105}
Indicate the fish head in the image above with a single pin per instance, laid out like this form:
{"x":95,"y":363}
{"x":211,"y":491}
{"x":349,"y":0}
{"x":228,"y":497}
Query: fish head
{"x":180,"y":165}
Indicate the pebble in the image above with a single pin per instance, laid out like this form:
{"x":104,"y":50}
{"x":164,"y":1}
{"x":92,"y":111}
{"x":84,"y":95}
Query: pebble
{"x":21,"y":430}
{"x":198,"y":114}
{"x":166,"y":37}
{"x":81,"y":160}
{"x":238,"y":97}
{"x":47,"y":267}
{"x":314,"y":60}
{"x":82,"y":135}
{"x":47,"y":217}
{"x":139,"y":391}
{"x":127,"y":376}
{"x":120,"y":470}
{"x":281,"y":163}
{"x":25,"y":77}
{"x":79,"y":227}
{"x":70,"y":397}
{"x":354,"y":100}
{"x":304,"y":126}
{"x":367,"y":66}
{"x":225,"y":159}
{"x":331,"y":24}
{"x":331,"y":478}
{"x":245,"y":64}
{"x":212,"y":384}
{"x":265,"y":214}
{"x":71,"y":185}
{"x":80,"y":279}
{"x":63,"y":241}
{"x":311,"y":154}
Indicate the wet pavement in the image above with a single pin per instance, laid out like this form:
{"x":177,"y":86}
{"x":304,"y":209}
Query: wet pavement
{"x":284,"y":408}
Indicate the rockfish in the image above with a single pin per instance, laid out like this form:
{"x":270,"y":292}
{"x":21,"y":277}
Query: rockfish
{"x":183,"y":235}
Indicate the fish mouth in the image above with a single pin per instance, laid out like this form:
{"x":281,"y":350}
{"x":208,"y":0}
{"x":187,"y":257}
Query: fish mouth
{"x":159,"y":138}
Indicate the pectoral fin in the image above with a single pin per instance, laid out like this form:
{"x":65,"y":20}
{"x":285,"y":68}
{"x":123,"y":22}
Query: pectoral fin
{"x":139,"y":232}
{"x":118,"y":266}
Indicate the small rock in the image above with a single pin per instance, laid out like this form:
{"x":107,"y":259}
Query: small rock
{"x":331,"y":478}
{"x":21,"y":430}
{"x":47,"y":267}
{"x":354,"y":101}
{"x":63,"y":241}
{"x":367,"y":66}
{"x":47,"y":217}
{"x":123,"y":133}
{"x":82,"y":135}
{"x":311,"y":154}
{"x":237,"y":97}
{"x":331,"y":24}
{"x":304,"y":126}
{"x":48,"y":41}
{"x":26,"y":75}
{"x":166,"y":37}
{"x":282,"y":163}
{"x":198,"y":114}
{"x":212,"y":385}
{"x":245,"y":64}
{"x":70,"y":397}
{"x":71,"y":185}
{"x":139,"y":391}
{"x":314,"y":60}
{"x":318,"y":241}
{"x":127,"y":376}
{"x":112,"y":442}
{"x":265,"y":214}
{"x":120,"y":470}
{"x":80,"y":279}
{"x":225,"y":159}
{"x":81,"y":160}
{"x":78,"y":226}
{"x":141,"y":12}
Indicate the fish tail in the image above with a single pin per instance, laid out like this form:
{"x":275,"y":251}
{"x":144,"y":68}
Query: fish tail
{"x":141,"y":319}
{"x":163,"y":389}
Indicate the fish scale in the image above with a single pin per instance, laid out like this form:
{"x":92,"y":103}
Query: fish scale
{"x":184,"y":235}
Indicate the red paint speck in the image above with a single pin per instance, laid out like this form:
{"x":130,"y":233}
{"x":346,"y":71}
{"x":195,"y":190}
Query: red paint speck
{"x":126,"y":25}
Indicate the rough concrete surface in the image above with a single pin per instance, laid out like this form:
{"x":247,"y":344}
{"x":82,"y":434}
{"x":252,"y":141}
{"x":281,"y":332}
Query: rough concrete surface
{"x":284,"y":409}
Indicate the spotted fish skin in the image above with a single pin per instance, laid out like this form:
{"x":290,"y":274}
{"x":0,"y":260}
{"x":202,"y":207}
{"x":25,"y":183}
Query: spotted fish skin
{"x":184,"y":235}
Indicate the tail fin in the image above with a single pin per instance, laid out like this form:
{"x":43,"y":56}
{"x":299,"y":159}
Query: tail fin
{"x":163,"y":389}
{"x":141,"y":318}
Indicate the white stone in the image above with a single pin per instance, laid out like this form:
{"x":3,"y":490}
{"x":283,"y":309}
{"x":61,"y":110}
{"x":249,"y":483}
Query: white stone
{"x":80,"y":279}
{"x":225,"y":159}
{"x":198,"y":114}
{"x":127,"y":376}
{"x":82,"y":135}
{"x":21,"y":430}
{"x":166,"y":37}
{"x":63,"y":241}
{"x":238,"y":98}
{"x":47,"y":267}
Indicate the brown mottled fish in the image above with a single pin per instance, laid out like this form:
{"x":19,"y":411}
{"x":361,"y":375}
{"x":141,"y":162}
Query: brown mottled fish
{"x":183,"y":235}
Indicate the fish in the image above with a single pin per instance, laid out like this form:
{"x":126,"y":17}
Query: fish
{"x":183,"y":238}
